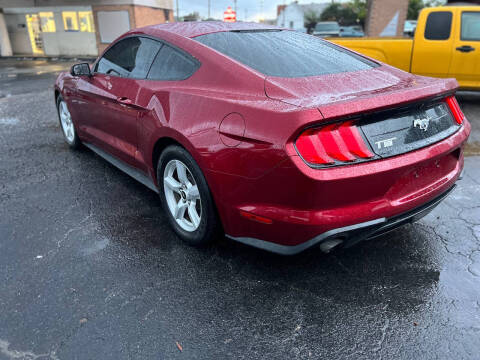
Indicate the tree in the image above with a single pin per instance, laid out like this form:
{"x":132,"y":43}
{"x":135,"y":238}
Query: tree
{"x":310,"y":21}
{"x":351,"y":13}
{"x":194,"y":16}
{"x":415,"y":6}
{"x":359,"y":7}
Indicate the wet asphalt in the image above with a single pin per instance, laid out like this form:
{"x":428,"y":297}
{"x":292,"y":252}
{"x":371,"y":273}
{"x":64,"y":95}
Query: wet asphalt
{"x":89,"y":268}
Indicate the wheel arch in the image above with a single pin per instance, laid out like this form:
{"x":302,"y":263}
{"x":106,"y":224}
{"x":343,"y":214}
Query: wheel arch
{"x":163,"y":142}
{"x":160,"y":145}
{"x":57,"y":94}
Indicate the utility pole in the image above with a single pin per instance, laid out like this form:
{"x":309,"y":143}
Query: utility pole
{"x":178,"y":14}
{"x":209,"y":9}
{"x":235,"y":6}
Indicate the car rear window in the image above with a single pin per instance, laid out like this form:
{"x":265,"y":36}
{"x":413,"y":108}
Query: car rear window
{"x":285,"y":53}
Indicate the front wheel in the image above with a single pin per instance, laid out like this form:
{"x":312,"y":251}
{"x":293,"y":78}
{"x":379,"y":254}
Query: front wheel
{"x":186,"y":197}
{"x":66,"y":122}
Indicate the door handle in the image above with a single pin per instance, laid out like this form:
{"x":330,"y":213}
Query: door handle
{"x":124,"y":100}
{"x":465,"y":48}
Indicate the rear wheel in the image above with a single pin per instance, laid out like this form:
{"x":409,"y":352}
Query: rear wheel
{"x":186,"y":197}
{"x":66,"y":122}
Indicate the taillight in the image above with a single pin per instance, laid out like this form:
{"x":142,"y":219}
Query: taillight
{"x":334,"y":144}
{"x":455,"y":109}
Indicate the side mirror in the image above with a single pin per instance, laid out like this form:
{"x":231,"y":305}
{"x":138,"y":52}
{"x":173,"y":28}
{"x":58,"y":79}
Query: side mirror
{"x":82,"y":69}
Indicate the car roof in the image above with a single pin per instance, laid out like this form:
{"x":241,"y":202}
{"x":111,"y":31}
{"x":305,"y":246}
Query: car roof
{"x":197,"y":28}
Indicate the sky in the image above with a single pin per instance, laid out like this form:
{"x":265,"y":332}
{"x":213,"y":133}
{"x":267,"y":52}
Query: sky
{"x":247,"y":10}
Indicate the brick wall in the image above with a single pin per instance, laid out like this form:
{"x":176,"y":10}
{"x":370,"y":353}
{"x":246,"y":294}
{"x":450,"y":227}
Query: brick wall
{"x":145,"y":16}
{"x":381,"y":12}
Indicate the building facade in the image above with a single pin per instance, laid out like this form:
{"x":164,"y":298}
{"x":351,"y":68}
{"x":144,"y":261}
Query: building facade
{"x":292,"y":16}
{"x":76,"y":28}
{"x":386,"y":17}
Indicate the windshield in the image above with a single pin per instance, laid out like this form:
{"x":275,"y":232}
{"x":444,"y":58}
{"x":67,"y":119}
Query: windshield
{"x":285,"y":53}
{"x":327,"y":27}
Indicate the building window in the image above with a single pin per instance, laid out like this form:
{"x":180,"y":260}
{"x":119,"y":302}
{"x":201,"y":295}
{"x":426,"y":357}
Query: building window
{"x":47,"y":21}
{"x":35,"y":33}
{"x":70,"y":21}
{"x":86,"y":21}
{"x":112,"y":24}
{"x":166,"y":13}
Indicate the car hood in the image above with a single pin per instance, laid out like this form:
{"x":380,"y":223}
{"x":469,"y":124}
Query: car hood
{"x":356,"y":92}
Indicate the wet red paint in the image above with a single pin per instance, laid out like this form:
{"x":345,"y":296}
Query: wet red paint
{"x":250,"y":162}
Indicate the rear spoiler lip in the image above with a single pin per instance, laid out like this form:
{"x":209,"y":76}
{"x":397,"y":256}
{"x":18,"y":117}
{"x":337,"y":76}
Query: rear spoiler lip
{"x":438,"y":89}
{"x":347,"y":94}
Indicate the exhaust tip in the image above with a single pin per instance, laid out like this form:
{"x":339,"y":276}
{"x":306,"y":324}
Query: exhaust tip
{"x":329,"y":245}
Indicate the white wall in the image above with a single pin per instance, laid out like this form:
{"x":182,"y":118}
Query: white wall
{"x":291,"y":17}
{"x":164,"y":4}
{"x":61,"y":42}
{"x":70,"y":43}
{"x":18,"y":33}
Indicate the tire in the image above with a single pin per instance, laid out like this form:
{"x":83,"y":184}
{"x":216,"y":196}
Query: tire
{"x":196,"y":221}
{"x":66,"y":124}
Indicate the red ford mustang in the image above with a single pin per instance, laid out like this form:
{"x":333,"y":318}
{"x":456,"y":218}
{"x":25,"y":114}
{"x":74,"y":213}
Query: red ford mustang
{"x":279,"y":139}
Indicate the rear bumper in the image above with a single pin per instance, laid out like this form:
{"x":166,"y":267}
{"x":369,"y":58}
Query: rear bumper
{"x":307,"y":206}
{"x":350,"y":235}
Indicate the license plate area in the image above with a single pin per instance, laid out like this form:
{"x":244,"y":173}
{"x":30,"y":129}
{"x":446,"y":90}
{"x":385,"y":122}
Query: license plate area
{"x":409,"y":130}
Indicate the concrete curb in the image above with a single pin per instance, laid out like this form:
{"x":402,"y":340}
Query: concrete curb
{"x":49,"y":58}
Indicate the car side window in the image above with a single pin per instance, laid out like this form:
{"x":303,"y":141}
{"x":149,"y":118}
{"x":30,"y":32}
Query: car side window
{"x":470,"y":26}
{"x":439,"y":25}
{"x":171,"y":64}
{"x":130,"y":57}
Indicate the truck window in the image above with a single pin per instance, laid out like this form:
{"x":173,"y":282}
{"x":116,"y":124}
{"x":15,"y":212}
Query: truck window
{"x":470,"y":26}
{"x":439,"y":25}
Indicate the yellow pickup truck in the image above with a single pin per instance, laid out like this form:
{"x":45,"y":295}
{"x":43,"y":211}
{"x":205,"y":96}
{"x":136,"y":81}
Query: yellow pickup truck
{"x":446,"y":44}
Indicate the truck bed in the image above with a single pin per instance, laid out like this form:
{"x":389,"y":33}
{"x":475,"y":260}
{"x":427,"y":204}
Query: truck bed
{"x":393,"y":51}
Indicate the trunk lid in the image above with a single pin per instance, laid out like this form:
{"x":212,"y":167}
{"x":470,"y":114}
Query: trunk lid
{"x":396,"y":112}
{"x":348,"y":94}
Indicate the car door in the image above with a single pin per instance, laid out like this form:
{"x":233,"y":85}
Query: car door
{"x":433,"y":44}
{"x":465,"y":66}
{"x":168,"y":73}
{"x":111,"y":111}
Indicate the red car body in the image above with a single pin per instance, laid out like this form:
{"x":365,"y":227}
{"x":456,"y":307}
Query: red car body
{"x":240,"y":126}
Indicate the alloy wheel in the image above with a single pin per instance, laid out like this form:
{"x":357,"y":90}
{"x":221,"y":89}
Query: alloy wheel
{"x":182,"y":195}
{"x":66,"y":121}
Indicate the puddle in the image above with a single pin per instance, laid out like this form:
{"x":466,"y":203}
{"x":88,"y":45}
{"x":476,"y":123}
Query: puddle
{"x":9,"y":120}
{"x":96,"y":247}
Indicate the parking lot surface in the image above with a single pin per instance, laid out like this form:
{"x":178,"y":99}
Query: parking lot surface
{"x":89,"y":268}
